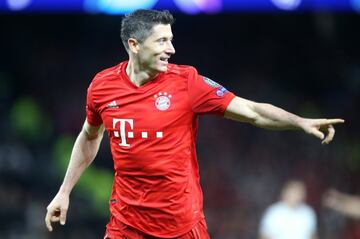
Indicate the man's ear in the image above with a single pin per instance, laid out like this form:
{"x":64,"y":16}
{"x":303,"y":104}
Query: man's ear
{"x":133,"y":45}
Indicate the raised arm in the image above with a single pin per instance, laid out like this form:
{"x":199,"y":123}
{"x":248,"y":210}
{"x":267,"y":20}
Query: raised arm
{"x":84,"y":151}
{"x":346,"y":204}
{"x":271,"y":117}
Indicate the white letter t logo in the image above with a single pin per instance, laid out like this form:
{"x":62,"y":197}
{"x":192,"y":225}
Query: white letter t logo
{"x":122,"y":130}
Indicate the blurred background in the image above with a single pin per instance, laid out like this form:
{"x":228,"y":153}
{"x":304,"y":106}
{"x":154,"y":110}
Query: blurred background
{"x":303,"y":56}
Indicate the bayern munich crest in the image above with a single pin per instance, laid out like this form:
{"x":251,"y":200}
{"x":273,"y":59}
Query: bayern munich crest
{"x":162,"y":101}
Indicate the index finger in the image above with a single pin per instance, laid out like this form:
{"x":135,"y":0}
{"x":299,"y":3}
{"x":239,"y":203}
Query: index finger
{"x":334,"y":121}
{"x":48,"y":222}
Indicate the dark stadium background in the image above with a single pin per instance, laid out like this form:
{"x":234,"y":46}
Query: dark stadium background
{"x":306,"y":63}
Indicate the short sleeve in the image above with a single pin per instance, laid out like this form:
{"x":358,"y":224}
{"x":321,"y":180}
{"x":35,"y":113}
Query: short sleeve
{"x":92,"y":116}
{"x":207,"y":96}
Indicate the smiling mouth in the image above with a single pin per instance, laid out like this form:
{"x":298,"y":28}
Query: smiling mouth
{"x":164,"y":59}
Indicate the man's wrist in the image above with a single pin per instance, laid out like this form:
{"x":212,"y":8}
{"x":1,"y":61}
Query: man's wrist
{"x":299,"y":123}
{"x":64,"y":190}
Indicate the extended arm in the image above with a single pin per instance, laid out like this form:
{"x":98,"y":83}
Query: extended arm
{"x":343,"y":203}
{"x":271,"y":117}
{"x":84,"y":151}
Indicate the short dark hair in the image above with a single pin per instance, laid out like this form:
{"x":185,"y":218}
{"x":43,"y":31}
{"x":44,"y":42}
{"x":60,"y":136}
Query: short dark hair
{"x":139,"y":24}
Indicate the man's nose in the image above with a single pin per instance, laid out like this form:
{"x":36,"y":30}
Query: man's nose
{"x":170,"y":48}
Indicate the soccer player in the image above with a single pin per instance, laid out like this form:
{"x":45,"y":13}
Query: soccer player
{"x":150,"y":110}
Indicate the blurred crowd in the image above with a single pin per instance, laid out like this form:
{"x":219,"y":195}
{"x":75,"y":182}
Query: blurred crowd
{"x":308,"y":64}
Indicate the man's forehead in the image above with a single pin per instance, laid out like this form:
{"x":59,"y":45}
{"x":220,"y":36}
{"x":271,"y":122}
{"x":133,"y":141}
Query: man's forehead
{"x":161,"y":30}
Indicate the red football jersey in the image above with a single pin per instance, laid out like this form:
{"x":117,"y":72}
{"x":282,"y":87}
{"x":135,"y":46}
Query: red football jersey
{"x":152,"y":131}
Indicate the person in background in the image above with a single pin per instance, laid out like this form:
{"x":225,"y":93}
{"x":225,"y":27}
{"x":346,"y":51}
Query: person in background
{"x":291,"y":217}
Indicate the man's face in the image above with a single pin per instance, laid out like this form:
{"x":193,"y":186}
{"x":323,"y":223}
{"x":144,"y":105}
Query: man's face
{"x":156,"y":50}
{"x":295,"y":194}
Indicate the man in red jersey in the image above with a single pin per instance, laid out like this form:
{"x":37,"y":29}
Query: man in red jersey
{"x":150,"y":109}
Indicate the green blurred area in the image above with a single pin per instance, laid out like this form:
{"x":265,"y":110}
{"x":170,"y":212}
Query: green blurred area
{"x":29,"y":121}
{"x":95,"y":182}
{"x":32,"y":125}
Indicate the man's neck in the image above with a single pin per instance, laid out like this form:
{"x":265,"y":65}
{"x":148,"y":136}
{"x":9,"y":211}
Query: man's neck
{"x":137,"y":75}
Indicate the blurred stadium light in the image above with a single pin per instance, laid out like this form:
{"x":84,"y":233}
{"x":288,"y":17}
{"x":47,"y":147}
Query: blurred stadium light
{"x":197,"y":6}
{"x":287,"y":4}
{"x":184,"y":6}
{"x":115,"y":6}
{"x":356,"y":5}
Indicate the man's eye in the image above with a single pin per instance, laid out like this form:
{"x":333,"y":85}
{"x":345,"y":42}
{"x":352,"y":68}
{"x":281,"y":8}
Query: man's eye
{"x":164,"y":40}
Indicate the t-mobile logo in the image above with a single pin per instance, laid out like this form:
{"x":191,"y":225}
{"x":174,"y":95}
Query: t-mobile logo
{"x":120,"y":123}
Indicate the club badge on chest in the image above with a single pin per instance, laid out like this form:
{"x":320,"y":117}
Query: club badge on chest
{"x":162,"y":101}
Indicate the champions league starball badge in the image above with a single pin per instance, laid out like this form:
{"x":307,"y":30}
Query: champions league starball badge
{"x":221,"y":91}
{"x":162,"y":101}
